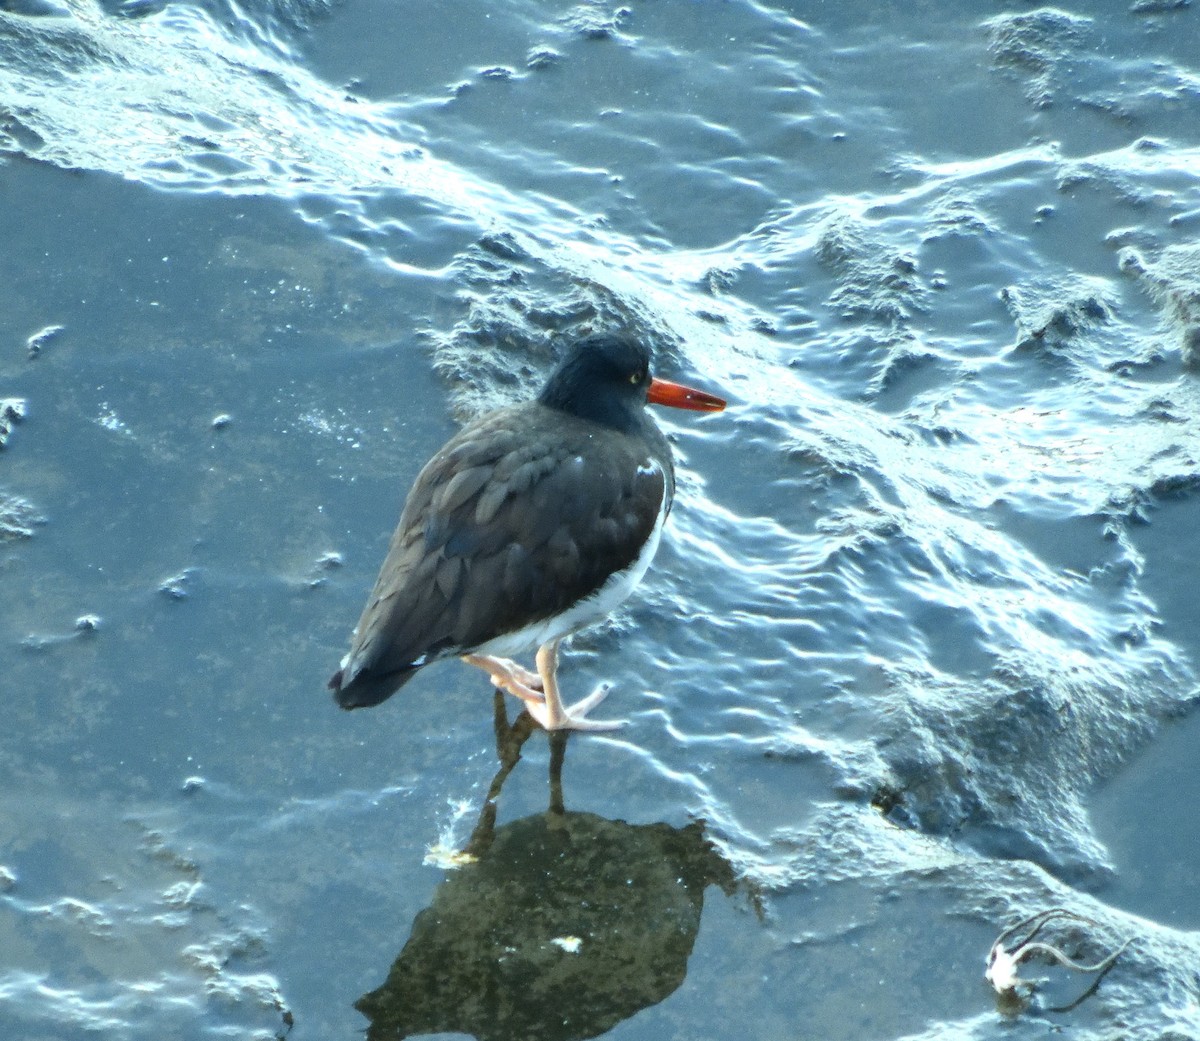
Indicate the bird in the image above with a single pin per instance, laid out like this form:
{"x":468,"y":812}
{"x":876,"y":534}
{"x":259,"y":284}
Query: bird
{"x":531,"y":523}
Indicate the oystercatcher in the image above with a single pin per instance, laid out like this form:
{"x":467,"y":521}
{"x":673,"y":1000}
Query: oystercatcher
{"x":531,"y":523}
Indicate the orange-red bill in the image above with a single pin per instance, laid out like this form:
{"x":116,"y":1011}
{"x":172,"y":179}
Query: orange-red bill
{"x":676,"y":395}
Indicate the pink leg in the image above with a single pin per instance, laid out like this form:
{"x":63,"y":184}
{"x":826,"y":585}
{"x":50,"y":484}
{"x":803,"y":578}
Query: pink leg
{"x":553,"y":715}
{"x":509,"y":676}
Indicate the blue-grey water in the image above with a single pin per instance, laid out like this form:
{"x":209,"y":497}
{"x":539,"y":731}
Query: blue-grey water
{"x":916,"y":659}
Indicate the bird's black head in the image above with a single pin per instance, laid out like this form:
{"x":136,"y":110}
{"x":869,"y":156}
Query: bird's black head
{"x":604,"y":378}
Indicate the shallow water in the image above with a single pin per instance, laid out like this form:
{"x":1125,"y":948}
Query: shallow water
{"x":915,"y":661}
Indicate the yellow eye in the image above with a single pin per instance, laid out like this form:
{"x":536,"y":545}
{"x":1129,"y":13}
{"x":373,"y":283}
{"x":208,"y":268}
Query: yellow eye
{"x":635,"y":378}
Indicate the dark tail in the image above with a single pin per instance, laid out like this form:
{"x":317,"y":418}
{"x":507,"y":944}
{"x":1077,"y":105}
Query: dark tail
{"x":368,"y":688}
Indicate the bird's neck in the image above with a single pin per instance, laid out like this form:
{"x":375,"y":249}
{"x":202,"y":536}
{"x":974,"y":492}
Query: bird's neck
{"x":627,"y":415}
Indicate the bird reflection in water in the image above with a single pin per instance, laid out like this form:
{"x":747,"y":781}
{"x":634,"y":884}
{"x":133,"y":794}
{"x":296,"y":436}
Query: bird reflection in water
{"x":558,"y":926}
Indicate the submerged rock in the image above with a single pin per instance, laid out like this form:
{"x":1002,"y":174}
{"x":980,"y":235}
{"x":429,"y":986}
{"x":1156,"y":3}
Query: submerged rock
{"x":1173,"y":280}
{"x":12,"y":411}
{"x":18,"y":518}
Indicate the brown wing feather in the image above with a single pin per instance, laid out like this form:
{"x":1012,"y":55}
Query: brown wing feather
{"x":518,"y":517}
